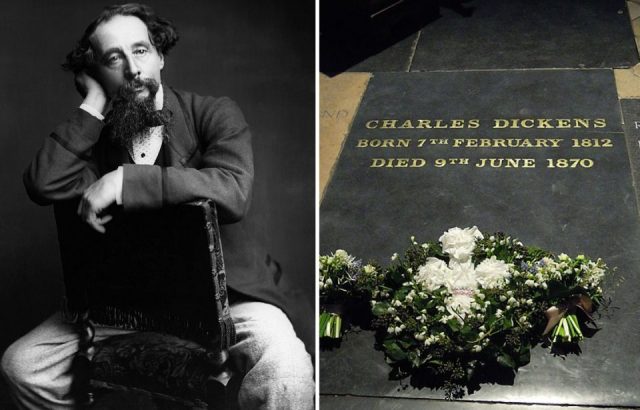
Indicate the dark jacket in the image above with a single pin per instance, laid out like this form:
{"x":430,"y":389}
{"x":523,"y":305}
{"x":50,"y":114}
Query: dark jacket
{"x":208,"y":154}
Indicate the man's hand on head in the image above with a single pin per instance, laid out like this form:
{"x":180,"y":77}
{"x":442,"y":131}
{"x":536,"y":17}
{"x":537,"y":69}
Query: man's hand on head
{"x":97,"y":197}
{"x":92,"y":92}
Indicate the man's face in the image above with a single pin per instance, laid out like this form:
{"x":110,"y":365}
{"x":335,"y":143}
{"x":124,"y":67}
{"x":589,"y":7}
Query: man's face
{"x":124,"y":52}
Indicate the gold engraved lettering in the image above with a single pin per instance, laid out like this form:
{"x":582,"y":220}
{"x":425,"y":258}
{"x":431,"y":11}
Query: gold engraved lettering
{"x":506,"y":163}
{"x":570,"y":163}
{"x":544,"y":123}
{"x":474,"y":123}
{"x":528,"y":123}
{"x":457,"y":123}
{"x":592,"y":143}
{"x":500,"y":123}
{"x":599,"y":123}
{"x":581,"y":122}
{"x":409,"y":123}
{"x":385,"y":143}
{"x":424,"y":124}
{"x":397,"y":163}
{"x":507,"y":142}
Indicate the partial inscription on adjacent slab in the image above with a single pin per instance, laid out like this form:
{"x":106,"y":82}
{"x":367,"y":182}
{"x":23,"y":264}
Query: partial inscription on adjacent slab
{"x":339,"y":99}
{"x":538,"y":154}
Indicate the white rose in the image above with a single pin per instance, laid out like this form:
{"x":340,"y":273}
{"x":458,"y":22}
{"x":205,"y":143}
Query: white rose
{"x":432,"y":274}
{"x":459,"y":243}
{"x":492,"y":272}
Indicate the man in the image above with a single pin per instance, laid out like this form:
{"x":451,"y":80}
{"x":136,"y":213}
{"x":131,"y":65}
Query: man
{"x":138,"y":144}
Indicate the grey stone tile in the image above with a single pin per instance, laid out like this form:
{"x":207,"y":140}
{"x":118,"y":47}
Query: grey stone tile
{"x":631,"y":119}
{"x":394,"y":58}
{"x":526,"y":34}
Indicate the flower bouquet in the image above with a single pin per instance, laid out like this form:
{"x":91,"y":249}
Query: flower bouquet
{"x":343,"y":288}
{"x":470,"y":302}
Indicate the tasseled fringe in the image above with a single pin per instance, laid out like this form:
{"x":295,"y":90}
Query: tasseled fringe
{"x":166,"y":322}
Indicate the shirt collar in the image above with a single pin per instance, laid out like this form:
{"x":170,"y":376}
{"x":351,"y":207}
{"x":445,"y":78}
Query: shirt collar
{"x":159,"y":100}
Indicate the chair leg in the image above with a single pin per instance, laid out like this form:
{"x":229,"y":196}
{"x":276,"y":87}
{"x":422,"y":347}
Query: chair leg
{"x":81,"y":365}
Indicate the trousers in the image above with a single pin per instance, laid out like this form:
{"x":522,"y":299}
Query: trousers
{"x":278,"y":373}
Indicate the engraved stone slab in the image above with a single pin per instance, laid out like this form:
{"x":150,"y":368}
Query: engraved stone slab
{"x":538,"y":154}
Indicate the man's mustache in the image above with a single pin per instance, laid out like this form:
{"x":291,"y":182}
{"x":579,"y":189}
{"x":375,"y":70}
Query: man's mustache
{"x":130,"y":87}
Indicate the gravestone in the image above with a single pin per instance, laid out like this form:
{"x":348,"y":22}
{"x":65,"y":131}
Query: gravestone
{"x":538,"y":154}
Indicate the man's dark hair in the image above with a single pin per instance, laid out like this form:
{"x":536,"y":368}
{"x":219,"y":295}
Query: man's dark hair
{"x":162,"y":33}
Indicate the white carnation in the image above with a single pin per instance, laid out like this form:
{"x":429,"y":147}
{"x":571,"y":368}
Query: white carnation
{"x":459,"y":243}
{"x":459,"y":304}
{"x":492,"y":272}
{"x":432,"y":274}
{"x":462,"y":275}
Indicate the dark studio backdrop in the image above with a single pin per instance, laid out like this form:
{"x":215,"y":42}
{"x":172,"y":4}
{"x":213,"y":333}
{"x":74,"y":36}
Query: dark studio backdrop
{"x":261,"y":54}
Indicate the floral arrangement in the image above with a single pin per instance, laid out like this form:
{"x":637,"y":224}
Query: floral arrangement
{"x":454,"y":307}
{"x":343,"y":281}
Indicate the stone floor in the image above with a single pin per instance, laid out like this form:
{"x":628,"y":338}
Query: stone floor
{"x":340,"y":95}
{"x":339,"y":100}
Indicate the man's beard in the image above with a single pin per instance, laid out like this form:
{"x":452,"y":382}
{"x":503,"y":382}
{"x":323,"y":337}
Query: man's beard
{"x":129,"y":115}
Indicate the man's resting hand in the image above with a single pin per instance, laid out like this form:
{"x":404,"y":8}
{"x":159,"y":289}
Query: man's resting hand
{"x":92,"y":92}
{"x":97,"y":197}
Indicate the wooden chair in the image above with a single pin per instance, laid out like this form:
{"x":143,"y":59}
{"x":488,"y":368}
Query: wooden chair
{"x":160,"y":273}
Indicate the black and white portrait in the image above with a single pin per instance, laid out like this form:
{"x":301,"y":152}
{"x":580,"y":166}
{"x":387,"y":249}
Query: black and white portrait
{"x":112,"y":113}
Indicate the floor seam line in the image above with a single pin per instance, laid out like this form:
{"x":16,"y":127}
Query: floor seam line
{"x":414,"y":47}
